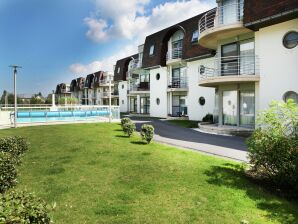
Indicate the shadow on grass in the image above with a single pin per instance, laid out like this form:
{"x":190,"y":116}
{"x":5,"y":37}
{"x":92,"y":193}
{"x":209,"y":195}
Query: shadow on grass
{"x":232,"y":176}
{"x":118,"y":130}
{"x":122,"y":136}
{"x":138,"y":143}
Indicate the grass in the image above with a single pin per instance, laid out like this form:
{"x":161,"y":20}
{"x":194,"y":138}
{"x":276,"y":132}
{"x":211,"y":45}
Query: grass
{"x":184,"y":123}
{"x":94,"y":174}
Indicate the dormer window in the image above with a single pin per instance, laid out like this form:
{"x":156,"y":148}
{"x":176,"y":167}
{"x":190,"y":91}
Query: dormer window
{"x":195,"y":36}
{"x":151,"y":51}
{"x":118,"y":71}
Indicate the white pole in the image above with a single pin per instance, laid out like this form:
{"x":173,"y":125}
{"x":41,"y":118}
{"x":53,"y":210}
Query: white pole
{"x":15,"y":96}
{"x":110,"y":99}
{"x":53,"y":99}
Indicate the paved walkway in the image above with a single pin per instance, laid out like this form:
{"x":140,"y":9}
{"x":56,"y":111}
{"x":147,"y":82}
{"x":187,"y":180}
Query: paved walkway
{"x":232,"y":147}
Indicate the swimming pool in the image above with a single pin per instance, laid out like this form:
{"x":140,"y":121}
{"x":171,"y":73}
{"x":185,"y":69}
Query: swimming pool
{"x":67,"y":114}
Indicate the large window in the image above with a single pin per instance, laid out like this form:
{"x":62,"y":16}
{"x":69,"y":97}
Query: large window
{"x":238,"y":58}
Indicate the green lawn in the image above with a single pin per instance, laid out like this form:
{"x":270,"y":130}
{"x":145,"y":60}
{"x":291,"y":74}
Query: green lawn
{"x":96,"y":175}
{"x":185,"y":123}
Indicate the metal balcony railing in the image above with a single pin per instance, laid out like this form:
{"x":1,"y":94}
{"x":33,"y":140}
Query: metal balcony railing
{"x":136,"y":63}
{"x":221,"y":16}
{"x":143,"y":86}
{"x":227,"y":66}
{"x":174,"y":53}
{"x":181,"y":82}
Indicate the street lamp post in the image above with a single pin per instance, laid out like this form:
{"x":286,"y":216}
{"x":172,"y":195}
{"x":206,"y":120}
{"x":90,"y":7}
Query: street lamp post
{"x":110,"y":98}
{"x":15,"y":92}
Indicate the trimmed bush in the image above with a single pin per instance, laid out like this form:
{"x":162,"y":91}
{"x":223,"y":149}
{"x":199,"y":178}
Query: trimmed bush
{"x":273,"y":147}
{"x":8,"y":173}
{"x":15,"y":145}
{"x":21,"y":207}
{"x":147,"y":132}
{"x":208,"y":118}
{"x":129,"y":128}
{"x":124,"y":121}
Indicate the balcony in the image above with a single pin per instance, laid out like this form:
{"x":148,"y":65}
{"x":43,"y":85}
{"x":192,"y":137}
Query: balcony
{"x":221,"y":23}
{"x":139,"y":87}
{"x":174,"y":55}
{"x":230,"y":70}
{"x":176,"y":84}
{"x":135,"y":64}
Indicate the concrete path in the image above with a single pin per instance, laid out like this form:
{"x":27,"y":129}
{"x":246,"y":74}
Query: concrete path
{"x":232,"y":147}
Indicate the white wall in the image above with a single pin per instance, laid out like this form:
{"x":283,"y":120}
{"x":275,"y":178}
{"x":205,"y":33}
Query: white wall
{"x":158,"y":89}
{"x":278,"y":65}
{"x":123,"y":99}
{"x":195,"y":110}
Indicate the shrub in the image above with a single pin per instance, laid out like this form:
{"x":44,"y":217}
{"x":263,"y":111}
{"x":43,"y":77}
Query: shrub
{"x":129,"y":128}
{"x":273,"y":147}
{"x":124,"y":121}
{"x":208,"y":118}
{"x":22,"y":207}
{"x":8,"y":173}
{"x":16,"y":146}
{"x":147,"y":132}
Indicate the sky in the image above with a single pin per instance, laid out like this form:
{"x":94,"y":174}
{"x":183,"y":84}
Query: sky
{"x":58,"y":40}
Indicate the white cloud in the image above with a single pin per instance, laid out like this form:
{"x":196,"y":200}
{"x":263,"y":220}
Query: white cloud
{"x":105,"y":64}
{"x":119,"y":19}
{"x":127,"y":19}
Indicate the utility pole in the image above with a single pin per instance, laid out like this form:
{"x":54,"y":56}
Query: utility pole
{"x":15,"y":67}
{"x":110,"y":98}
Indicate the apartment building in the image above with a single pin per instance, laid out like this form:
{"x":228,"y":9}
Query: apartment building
{"x":62,"y":91}
{"x":94,"y":89}
{"x":256,"y":57}
{"x":231,"y":61}
{"x":77,"y":89}
{"x":167,"y":76}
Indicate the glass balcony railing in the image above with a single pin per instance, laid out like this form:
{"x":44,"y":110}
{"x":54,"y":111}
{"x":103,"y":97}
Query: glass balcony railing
{"x":230,"y":66}
{"x":136,"y":63}
{"x":221,"y":16}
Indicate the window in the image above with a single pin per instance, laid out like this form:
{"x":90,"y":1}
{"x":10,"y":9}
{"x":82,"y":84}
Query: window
{"x":195,"y":36}
{"x":122,"y":86}
{"x":202,"y":101}
{"x":157,"y":101}
{"x":122,"y":101}
{"x":157,"y":76}
{"x":118,"y":71}
{"x":291,"y":95}
{"x":290,"y":40}
{"x":151,"y":51}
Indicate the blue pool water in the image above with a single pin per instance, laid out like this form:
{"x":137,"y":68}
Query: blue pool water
{"x":48,"y":116}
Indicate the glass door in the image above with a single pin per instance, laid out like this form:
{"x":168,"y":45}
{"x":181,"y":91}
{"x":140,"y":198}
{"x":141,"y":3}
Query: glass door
{"x":229,"y":59}
{"x":175,"y":78}
{"x":247,"y":108}
{"x":230,"y":107}
{"x":177,"y":49}
{"x":145,"y":105}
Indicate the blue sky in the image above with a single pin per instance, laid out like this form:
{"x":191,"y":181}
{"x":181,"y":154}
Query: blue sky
{"x":58,"y":40}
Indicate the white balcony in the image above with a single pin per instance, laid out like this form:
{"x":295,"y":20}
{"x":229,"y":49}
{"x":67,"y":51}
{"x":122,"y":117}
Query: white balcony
{"x":174,"y":55}
{"x":135,"y":64}
{"x":228,"y":70}
{"x":221,"y":23}
{"x":178,"y":83}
